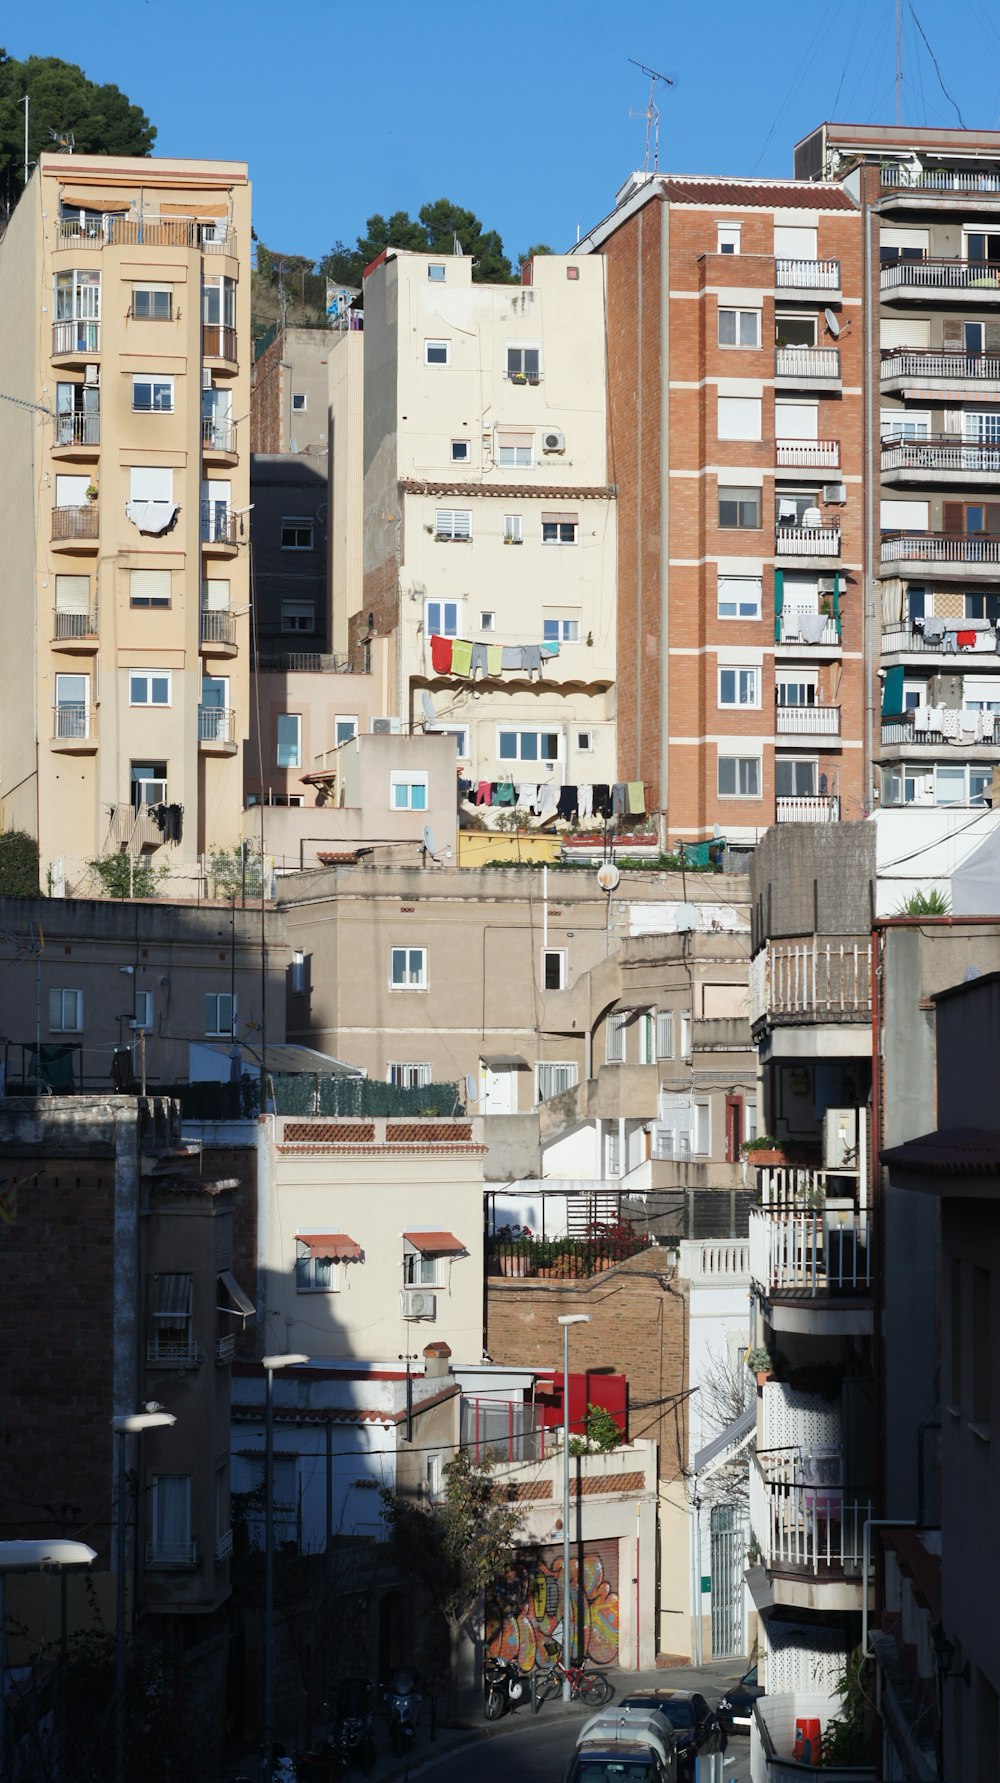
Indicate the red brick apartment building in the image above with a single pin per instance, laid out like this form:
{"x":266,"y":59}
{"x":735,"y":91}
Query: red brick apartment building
{"x":735,"y":363}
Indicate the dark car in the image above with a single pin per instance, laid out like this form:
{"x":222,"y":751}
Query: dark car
{"x":696,"y":1727}
{"x":735,"y":1707}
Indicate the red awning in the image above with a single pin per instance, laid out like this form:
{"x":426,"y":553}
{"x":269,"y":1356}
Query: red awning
{"x":336,"y":1246}
{"x":435,"y":1244}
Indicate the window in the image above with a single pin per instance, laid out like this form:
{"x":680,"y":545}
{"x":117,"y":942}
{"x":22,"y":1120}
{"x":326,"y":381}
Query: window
{"x":344,"y":729}
{"x":795,"y":687}
{"x":71,"y":492}
{"x":949,"y":786}
{"x":702,"y":1129}
{"x":665,"y":1034}
{"x":528,"y":745}
{"x":554,"y":968}
{"x":435,"y":1475}
{"x":512,"y":529}
{"x":148,"y":781}
{"x":584,"y":742}
{"x":739,"y":777}
{"x":739,"y":417}
{"x":149,"y":687}
{"x":316,"y":1275}
{"x":150,"y":482}
{"x":790,"y":509}
{"x":408,"y":969}
{"x":452,"y":523}
{"x":553,"y":1079}
{"x":298,"y":973}
{"x":797,"y":240}
{"x":73,"y":597}
{"x":647,"y":1037}
{"x":905,"y":424}
{"x":524,"y":362}
{"x":685,"y":1033}
{"x":437,"y":352}
{"x":218,"y":306}
{"x":72,"y":714}
{"x":561,"y":628}
{"x":420,"y":1271}
{"x":515,"y":449}
{"x":220,"y":1013}
{"x":487,"y":621}
{"x":149,"y":588}
{"x":152,"y":394}
{"x":727,"y":238}
{"x":407,"y":792}
{"x":66,"y":1012}
{"x":739,"y":597}
{"x":442,"y":619}
{"x":739,"y":508}
{"x":289,"y":740}
{"x":407,"y":1076}
{"x":559,"y":532}
{"x":300,"y":402}
{"x":614,"y":1038}
{"x":152,"y":303}
{"x":983,"y":606}
{"x":296,"y":533}
{"x":795,"y":777}
{"x":298,"y":616}
{"x":459,"y":732}
{"x":739,"y":687}
{"x":171,"y":1519}
{"x":613,"y":1152}
{"x":436,"y":274}
{"x":739,"y":328}
{"x":461,"y":451}
{"x":143,"y":1017}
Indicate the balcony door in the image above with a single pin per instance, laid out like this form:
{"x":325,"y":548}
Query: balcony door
{"x":171,"y":1532}
{"x":216,"y":503}
{"x":498,"y":1091}
{"x":217,"y":416}
{"x":72,"y":705}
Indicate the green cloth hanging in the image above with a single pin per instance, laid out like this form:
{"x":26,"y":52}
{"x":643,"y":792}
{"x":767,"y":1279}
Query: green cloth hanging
{"x":779,"y":601}
{"x":892,"y":692}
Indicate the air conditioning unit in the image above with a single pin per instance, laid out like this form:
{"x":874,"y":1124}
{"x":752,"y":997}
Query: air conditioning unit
{"x":553,"y":440}
{"x":386,"y":727}
{"x":840,"y":1139}
{"x":827,"y":584}
{"x":418,"y":1304}
{"x":835,"y":494}
{"x":92,"y":374}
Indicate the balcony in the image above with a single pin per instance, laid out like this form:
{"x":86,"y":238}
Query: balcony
{"x":921,"y":374}
{"x":76,"y":528}
{"x":74,"y":729}
{"x":218,"y":440}
{"x":225,"y":1348}
{"x":959,"y":281}
{"x":221,"y":531}
{"x":806,"y":367}
{"x":952,"y":554}
{"x":217,"y":730}
{"x":78,"y":435}
{"x":74,"y":632}
{"x":163,"y":1354}
{"x":807,"y":721}
{"x":76,"y":339}
{"x":173,"y":1556}
{"x":801,"y":627}
{"x":815,"y":810}
{"x":807,"y":276}
{"x":967,"y":730}
{"x":802,"y":1527}
{"x":145,"y":232}
{"x":806,"y":543}
{"x":934,"y":181}
{"x":815,"y":455}
{"x":945,"y":459}
{"x":817,"y":979}
{"x":772,"y":1738}
{"x":219,"y":344}
{"x":905,"y":640}
{"x":802,"y":1255}
{"x":216,"y":633}
{"x":132,"y":828}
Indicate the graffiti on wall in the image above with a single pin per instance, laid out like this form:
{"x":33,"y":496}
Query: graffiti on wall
{"x":524,"y":1610}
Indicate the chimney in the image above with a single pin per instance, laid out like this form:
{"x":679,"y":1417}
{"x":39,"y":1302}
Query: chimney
{"x":436,"y":1361}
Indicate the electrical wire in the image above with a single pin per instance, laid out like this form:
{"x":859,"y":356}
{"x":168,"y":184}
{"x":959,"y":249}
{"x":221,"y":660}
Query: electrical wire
{"x":847,"y":58}
{"x":953,"y":103}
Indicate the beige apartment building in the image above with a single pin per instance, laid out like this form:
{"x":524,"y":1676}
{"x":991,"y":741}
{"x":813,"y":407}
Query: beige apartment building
{"x":488,"y":525}
{"x":125,"y":368}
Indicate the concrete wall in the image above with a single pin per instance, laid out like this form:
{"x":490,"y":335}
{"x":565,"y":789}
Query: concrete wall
{"x":810,"y":879}
{"x":289,"y":486}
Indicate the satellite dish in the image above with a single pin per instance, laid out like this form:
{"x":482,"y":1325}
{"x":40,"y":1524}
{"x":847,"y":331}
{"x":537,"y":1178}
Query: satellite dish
{"x":471,"y":1087}
{"x":608,"y":876}
{"x":429,"y":842}
{"x":430,"y":716}
{"x":832,"y":323}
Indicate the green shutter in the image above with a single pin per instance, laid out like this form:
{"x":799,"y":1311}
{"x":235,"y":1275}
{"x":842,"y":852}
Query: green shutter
{"x":779,"y":601}
{"x":892,"y":692}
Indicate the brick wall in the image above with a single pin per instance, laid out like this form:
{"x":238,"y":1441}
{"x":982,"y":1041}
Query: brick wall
{"x":265,"y":399}
{"x":639,"y":1327}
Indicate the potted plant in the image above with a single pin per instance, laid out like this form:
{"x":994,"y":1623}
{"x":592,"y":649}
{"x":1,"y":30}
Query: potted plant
{"x":517,"y":1254}
{"x":761,"y":1363}
{"x":763,"y":1150}
{"x":91,"y":492}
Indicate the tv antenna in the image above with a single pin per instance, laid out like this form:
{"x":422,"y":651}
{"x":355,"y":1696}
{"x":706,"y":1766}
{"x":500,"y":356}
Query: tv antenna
{"x":65,"y":140}
{"x":652,"y":111}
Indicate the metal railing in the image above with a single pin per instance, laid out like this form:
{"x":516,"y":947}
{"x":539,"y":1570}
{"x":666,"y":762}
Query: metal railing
{"x":77,"y":336}
{"x":76,"y":523}
{"x":812,"y":454}
{"x":804,"y":1527}
{"x":806,"y":362}
{"x":938,"y":179}
{"x":219,"y":526}
{"x":807,"y":275}
{"x":216,"y":627}
{"x":74,"y":722}
{"x":808,"y":1253}
{"x":789,"y":1188}
{"x":173,"y":1354}
{"x":500,"y":1430}
{"x":671,"y":1146}
{"x":807,"y":721}
{"x":218,"y":341}
{"x":907,"y":637}
{"x":922,"y":363}
{"x":941,"y":275}
{"x":943,"y":453}
{"x":807,"y":810}
{"x":81,"y":429}
{"x":225,"y":1348}
{"x":807,"y":541}
{"x":820,"y":978}
{"x":979,"y":729}
{"x":216,"y":724}
{"x":149,"y":232}
{"x":306,"y":662}
{"x":941,"y":547}
{"x":224,"y":1545}
{"x":217,"y":436}
{"x":172,"y":1553}
{"x":74,"y":625}
{"x":791,"y":632}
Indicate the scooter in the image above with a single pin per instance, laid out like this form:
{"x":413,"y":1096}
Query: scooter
{"x":503,"y":1685}
{"x":353,"y":1731}
{"x":402,"y":1699}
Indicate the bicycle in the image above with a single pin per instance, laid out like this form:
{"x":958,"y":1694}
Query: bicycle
{"x":590,"y":1687}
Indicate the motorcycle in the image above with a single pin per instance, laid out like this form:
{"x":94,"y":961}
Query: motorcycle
{"x":402,"y":1699}
{"x":504,"y":1687}
{"x":353,"y":1730}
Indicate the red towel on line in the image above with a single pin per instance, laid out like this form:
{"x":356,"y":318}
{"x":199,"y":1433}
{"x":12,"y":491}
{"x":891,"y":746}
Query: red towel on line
{"x":966,"y":640}
{"x":440,"y":654}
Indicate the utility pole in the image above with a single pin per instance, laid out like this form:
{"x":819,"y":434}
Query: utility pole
{"x":899,"y":61}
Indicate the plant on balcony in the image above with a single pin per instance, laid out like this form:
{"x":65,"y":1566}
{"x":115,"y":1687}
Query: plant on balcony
{"x":123,"y":876}
{"x":850,"y":1737}
{"x":601,"y":1433}
{"x":761,"y":1363}
{"x":921,"y":903}
{"x":763,"y":1150}
{"x":91,"y":492}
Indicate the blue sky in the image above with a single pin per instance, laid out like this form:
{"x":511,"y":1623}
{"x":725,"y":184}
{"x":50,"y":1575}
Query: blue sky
{"x":518,"y":112}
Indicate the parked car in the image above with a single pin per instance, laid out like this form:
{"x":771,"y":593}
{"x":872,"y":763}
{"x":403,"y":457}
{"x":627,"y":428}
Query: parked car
{"x":620,"y":1761}
{"x":696,"y":1727}
{"x":639,"y":1727}
{"x":735,"y":1706}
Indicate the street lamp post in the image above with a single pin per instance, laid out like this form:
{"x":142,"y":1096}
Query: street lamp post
{"x":132,"y":1424}
{"x":23,"y":1557}
{"x":270,"y":1364}
{"x":567,"y":1319}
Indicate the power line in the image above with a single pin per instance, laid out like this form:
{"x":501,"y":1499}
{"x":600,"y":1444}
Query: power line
{"x":937,"y":70}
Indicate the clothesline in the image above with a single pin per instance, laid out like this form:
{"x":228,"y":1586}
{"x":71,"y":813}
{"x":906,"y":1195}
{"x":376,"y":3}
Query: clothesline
{"x":460,"y":656}
{"x":548,"y":798}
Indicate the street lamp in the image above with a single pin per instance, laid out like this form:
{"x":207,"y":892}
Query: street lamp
{"x":30,"y":1557}
{"x":270,"y":1364}
{"x":132,"y":1424}
{"x":567,"y":1319}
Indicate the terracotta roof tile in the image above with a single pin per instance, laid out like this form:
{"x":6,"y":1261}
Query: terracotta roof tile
{"x":427,"y":1132}
{"x":771,"y":194}
{"x":951,"y":1151}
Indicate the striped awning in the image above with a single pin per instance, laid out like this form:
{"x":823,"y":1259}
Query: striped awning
{"x":241,"y":1303}
{"x":332,"y":1247}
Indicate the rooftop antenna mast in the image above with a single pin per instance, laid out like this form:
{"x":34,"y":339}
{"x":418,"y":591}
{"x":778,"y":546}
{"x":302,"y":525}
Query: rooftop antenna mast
{"x":899,"y":62}
{"x":652,"y":112}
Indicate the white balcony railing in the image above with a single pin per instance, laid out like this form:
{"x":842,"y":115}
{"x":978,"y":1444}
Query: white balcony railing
{"x":217,"y":626}
{"x":807,"y":362}
{"x":81,"y":429}
{"x":817,"y":810}
{"x":807,"y":275}
{"x":216,"y":724}
{"x":217,"y":436}
{"x":807,"y":721}
{"x":790,"y":1188}
{"x":810,"y":1254}
{"x":804,"y":1527}
{"x":809,"y":454}
{"x":225,"y":1348}
{"x":906,"y":637}
{"x":940,"y":547}
{"x":792,"y":631}
{"x":938,"y":179}
{"x":178,"y":1554}
{"x":715,"y":1260}
{"x":80,"y":335}
{"x":67,"y":626}
{"x":940,"y":454}
{"x":224,"y":1545}
{"x":919,"y":364}
{"x":74,"y":722}
{"x":818,"y":978}
{"x":807,"y":541}
{"x":941,"y":275}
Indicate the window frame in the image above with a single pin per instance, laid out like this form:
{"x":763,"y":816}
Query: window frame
{"x":291,"y":630}
{"x":568,"y":1065}
{"x":519,"y":731}
{"x":749,"y":674}
{"x":149,"y":290}
{"x":556,"y":956}
{"x":415,"y":1264}
{"x":513,"y":529}
{"x":557,"y":531}
{"x":453,"y":525}
{"x":737,"y":431}
{"x":724,"y":229}
{"x":517,"y":457}
{"x":616,"y":1038}
{"x":150,"y":676}
{"x":796,"y":762}
{"x":561,"y":619}
{"x":738,"y":495}
{"x":150,"y":602}
{"x":307,"y":1269}
{"x":739,"y":761}
{"x":300,"y":402}
{"x":461,"y":451}
{"x":409,"y":781}
{"x":737,"y":345}
{"x":756,"y":582}
{"x":63,"y":1026}
{"x":517,"y":350}
{"x":219,"y":1031}
{"x":144,"y":1023}
{"x":407,"y":983}
{"x":297,"y":523}
{"x":432,"y":630}
{"x":162,"y":380}
{"x":341,"y":719}
{"x":409,"y":1074}
{"x":440,"y":348}
{"x":664,"y":1034}
{"x":280,"y":748}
